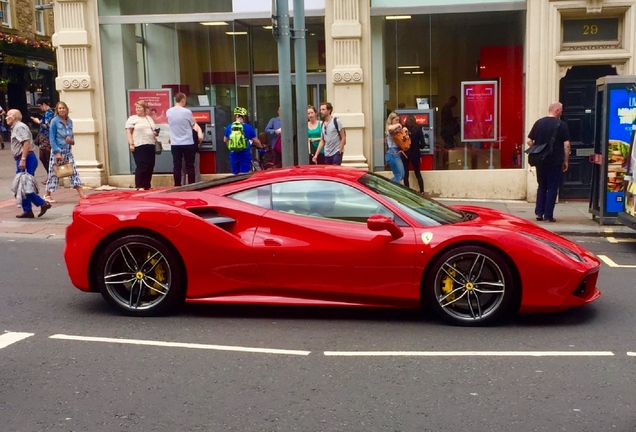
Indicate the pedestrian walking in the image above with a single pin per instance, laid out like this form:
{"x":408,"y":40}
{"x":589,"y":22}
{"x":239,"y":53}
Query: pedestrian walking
{"x":23,"y":150}
{"x":554,"y":132}
{"x":333,"y":137}
{"x":314,"y":128}
{"x":62,"y":139}
{"x":43,"y":140}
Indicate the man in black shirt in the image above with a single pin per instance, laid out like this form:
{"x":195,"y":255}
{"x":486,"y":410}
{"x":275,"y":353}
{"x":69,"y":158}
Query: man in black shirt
{"x":550,"y":172}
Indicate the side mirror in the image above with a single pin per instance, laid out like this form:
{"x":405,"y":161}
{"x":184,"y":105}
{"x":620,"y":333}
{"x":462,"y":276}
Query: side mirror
{"x":379,"y":222}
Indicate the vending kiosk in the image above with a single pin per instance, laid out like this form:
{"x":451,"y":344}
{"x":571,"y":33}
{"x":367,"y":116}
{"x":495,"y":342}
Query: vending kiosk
{"x":615,"y":115}
{"x":425,"y":118}
{"x":628,"y":215}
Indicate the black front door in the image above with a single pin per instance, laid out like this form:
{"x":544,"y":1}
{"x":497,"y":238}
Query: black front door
{"x":577,"y":94}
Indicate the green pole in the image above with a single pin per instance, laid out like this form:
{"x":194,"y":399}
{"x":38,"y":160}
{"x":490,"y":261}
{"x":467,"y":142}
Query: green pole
{"x":284,"y":81}
{"x":300,"y":62}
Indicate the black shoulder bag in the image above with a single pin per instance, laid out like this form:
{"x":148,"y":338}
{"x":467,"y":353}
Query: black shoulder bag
{"x":538,"y":153}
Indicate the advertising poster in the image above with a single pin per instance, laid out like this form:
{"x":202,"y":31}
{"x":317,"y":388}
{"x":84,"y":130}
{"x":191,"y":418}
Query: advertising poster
{"x":159,"y":102}
{"x":479,"y":111}
{"x":621,"y":115}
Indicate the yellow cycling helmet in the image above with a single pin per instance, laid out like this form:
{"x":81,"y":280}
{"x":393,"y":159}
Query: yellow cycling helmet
{"x":240,"y":111}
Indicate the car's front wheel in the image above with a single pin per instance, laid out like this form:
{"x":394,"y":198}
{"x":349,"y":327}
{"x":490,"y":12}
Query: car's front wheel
{"x":470,"y":286}
{"x":140,"y":276}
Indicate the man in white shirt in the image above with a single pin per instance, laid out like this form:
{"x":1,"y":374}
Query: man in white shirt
{"x":182,"y":145}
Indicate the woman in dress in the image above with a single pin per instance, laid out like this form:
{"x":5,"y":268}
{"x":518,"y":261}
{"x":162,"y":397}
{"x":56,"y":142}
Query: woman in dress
{"x":313,"y":133}
{"x":392,"y":156}
{"x":412,"y":155}
{"x":62,"y":139}
{"x":142,"y":132}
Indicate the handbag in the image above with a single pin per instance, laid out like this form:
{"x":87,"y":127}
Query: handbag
{"x":158,"y":145}
{"x":538,"y":153}
{"x":63,"y":170}
{"x":402,"y":139}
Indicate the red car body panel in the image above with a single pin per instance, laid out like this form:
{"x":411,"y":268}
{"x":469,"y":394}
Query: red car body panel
{"x":272,"y":257}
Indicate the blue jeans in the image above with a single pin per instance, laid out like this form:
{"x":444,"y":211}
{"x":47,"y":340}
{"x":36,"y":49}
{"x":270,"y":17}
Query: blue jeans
{"x":240,"y":161}
{"x":32,"y":198}
{"x":335,"y":159}
{"x":549,"y":179}
{"x":395,"y":161}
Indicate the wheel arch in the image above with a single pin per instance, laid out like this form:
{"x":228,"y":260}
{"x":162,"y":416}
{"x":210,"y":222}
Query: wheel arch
{"x":92,"y":265}
{"x":513,"y":267}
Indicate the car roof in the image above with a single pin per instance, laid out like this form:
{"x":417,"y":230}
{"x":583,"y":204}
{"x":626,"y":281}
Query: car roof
{"x":329,"y":171}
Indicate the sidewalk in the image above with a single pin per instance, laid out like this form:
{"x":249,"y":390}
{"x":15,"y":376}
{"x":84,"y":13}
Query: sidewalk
{"x":573,"y":217}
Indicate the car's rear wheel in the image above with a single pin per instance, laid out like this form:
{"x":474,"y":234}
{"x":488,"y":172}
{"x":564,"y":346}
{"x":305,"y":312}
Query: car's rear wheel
{"x":470,"y":286}
{"x":140,"y":276}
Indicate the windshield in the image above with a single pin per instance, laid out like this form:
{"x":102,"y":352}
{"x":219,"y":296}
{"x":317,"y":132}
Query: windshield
{"x":425,"y":210}
{"x":209,"y":183}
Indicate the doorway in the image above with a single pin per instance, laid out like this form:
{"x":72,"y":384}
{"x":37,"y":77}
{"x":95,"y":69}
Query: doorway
{"x":578,"y":95}
{"x":267,"y":94}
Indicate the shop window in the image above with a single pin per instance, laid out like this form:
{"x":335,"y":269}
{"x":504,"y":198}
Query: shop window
{"x":428,"y":57}
{"x":5,"y":8}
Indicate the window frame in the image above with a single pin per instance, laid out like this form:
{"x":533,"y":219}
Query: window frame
{"x":299,"y":205}
{"x":6,"y":13}
{"x":39,"y":19}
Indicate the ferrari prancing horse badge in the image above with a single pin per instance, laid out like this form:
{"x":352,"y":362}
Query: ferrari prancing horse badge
{"x":427,"y":237}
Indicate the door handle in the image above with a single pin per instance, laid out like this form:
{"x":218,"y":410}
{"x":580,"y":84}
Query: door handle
{"x":272,"y":242}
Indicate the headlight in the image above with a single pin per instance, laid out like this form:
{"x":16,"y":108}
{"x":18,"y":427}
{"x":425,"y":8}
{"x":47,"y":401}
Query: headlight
{"x":565,"y":251}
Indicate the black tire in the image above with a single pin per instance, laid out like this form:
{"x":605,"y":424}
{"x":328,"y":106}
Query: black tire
{"x":140,"y":276}
{"x":469,"y":286}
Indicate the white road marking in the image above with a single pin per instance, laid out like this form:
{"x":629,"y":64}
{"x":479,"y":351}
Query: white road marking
{"x":615,"y":240}
{"x":180,"y":345}
{"x":9,"y":338}
{"x":607,"y":260}
{"x":469,"y":353}
{"x":631,"y":354}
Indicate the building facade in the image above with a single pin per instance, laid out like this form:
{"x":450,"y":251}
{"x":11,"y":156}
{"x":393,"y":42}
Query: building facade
{"x":27,"y":58}
{"x":367,"y":57}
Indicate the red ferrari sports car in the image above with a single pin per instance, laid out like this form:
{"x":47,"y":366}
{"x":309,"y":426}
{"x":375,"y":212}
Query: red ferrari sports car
{"x":324,"y":236}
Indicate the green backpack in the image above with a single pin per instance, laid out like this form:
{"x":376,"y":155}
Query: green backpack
{"x":237,"y":141}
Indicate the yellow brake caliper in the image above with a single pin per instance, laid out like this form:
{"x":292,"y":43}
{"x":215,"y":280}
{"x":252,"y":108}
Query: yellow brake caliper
{"x":160,"y":276}
{"x":448,"y":284}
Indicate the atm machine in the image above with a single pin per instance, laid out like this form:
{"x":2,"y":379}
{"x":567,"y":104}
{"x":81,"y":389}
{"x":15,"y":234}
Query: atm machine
{"x":213,"y":156}
{"x":425,"y":118}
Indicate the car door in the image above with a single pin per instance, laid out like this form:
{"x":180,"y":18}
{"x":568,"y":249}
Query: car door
{"x":315,"y":243}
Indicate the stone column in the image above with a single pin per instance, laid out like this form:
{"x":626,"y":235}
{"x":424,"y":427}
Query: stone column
{"x":78,"y":73}
{"x":348,"y":36}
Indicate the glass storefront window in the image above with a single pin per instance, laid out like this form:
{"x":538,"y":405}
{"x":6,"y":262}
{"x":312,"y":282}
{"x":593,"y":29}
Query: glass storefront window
{"x":223,"y":63}
{"x":427,"y":57}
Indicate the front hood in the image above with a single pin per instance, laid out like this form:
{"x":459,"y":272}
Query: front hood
{"x":515,"y":224}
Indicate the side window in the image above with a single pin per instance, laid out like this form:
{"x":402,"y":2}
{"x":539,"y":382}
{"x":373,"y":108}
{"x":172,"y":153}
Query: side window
{"x":260,"y":196}
{"x":325,"y":199}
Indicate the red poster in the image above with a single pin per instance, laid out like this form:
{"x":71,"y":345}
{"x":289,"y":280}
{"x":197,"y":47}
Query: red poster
{"x":479,"y":111}
{"x":158,"y":101}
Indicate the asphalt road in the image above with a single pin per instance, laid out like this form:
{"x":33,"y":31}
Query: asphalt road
{"x":236,"y":368}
